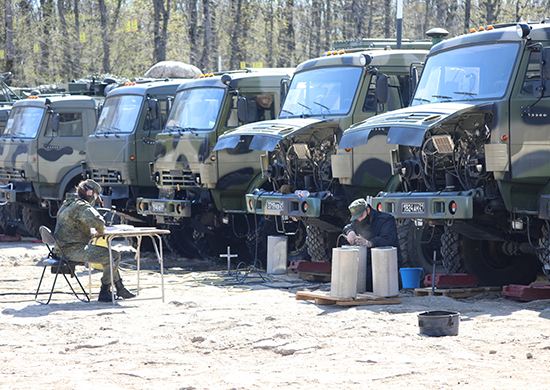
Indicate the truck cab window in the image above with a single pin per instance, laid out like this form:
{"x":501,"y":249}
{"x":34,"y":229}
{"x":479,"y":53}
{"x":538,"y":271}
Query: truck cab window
{"x":70,"y":125}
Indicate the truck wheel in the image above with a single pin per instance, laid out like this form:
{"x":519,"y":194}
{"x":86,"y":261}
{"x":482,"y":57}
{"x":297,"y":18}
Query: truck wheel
{"x":544,"y":254}
{"x":320,"y":243}
{"x":33,"y":219}
{"x":181,"y":241}
{"x":450,"y":248}
{"x":296,"y":243}
{"x":418,"y":245}
{"x":489,"y":263}
{"x":12,"y":212}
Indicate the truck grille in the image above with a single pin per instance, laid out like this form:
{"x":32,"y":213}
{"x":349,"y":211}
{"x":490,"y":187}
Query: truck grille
{"x":105,"y":176}
{"x":180,"y":177}
{"x":10,"y":174}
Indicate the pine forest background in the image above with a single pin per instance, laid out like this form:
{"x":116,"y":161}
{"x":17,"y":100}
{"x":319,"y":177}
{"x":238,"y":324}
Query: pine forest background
{"x":49,"y":41}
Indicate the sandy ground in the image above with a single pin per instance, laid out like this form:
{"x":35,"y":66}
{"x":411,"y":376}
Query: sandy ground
{"x":213,"y":332}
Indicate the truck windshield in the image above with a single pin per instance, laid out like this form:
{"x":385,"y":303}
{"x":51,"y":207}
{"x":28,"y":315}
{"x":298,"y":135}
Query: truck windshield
{"x":321,"y":91}
{"x":23,"y":122}
{"x":467,"y":73}
{"x":195,"y":109}
{"x":120,"y":114}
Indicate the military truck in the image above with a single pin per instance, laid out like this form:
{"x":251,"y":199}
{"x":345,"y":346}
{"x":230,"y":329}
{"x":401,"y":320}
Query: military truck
{"x":120,"y":149}
{"x":473,"y":152}
{"x":295,"y":187}
{"x":41,"y":149}
{"x":199,"y":188}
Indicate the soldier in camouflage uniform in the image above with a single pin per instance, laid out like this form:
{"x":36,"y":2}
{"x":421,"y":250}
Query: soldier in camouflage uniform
{"x":74,"y":220}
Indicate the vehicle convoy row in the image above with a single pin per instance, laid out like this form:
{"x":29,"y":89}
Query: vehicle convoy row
{"x":204,"y":170}
{"x":300,"y":187}
{"x":473,"y":152}
{"x":44,"y":144}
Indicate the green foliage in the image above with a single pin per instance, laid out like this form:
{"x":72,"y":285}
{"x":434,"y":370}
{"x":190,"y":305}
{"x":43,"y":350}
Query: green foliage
{"x":48,"y":48}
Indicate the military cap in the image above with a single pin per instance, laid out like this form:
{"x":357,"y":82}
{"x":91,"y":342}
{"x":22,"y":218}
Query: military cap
{"x":94,"y":185}
{"x":357,"y":208}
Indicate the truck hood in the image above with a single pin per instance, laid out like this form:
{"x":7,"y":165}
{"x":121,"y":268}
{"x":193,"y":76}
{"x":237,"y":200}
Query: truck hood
{"x":407,"y":126}
{"x":267,"y":134}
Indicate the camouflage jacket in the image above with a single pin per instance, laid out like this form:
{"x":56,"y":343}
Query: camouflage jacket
{"x":74,"y":220}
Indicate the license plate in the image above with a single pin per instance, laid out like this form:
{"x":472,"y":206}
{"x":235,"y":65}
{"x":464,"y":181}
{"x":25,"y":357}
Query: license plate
{"x":274,"y":205}
{"x":157,"y":207}
{"x":411,"y":208}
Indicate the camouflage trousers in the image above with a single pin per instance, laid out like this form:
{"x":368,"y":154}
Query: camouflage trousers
{"x":98,"y":255}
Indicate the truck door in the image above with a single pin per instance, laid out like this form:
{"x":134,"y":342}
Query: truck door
{"x":60,"y":151}
{"x":529,"y":126}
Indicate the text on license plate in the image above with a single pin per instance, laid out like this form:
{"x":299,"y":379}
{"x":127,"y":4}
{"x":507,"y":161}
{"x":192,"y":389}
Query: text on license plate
{"x":412,"y":207}
{"x":274,"y":205}
{"x":157,"y":207}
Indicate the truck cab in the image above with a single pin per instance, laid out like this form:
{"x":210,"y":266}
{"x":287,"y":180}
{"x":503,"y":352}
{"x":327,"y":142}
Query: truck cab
{"x":294,"y":189}
{"x":194,"y":181}
{"x":472,"y":153}
{"x":120,"y":149}
{"x":41,"y":150}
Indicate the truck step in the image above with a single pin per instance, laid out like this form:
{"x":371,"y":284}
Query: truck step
{"x":526,"y":293}
{"x":449,"y":281}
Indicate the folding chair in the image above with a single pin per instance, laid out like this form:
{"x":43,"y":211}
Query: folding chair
{"x":59,"y":264}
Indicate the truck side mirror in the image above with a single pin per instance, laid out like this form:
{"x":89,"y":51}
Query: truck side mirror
{"x":283,"y":90}
{"x":153,"y":114}
{"x":169,"y":103}
{"x":55,"y":122}
{"x":242,"y":110}
{"x":382,"y":89}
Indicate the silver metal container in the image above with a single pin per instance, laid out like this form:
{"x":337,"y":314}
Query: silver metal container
{"x":343,"y":278}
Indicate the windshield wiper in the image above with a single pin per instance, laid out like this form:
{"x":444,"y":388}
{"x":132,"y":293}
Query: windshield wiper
{"x":322,"y":106}
{"x":288,"y":112}
{"x":443,"y":97}
{"x":422,"y":99}
{"x":470,"y":94}
{"x":306,"y":107}
{"x":110,"y":130}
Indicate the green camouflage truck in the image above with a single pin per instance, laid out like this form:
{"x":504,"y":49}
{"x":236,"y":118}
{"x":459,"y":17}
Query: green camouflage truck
{"x":120,"y":149}
{"x":41,"y":150}
{"x":295,"y":190}
{"x":198,"y":187}
{"x":473,"y":152}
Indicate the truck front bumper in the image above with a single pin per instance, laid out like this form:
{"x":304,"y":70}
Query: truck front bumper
{"x":275,"y":203}
{"x":427,"y":205}
{"x":164,"y":207}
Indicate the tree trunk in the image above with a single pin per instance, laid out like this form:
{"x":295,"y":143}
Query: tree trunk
{"x":387,"y":19}
{"x":193,"y":59}
{"x":76,"y":63}
{"x":328,"y":24}
{"x":315,"y":32}
{"x":161,"y":15}
{"x":104,"y":36}
{"x":269,"y":17}
{"x":286,"y":35}
{"x":235,"y":47}
{"x":207,"y":44}
{"x":9,"y":53}
{"x":467,"y":12}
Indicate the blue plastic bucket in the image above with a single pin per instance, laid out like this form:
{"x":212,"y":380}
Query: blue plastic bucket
{"x":410,"y":277}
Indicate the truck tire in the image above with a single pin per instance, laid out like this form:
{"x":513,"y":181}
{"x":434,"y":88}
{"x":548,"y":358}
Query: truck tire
{"x":33,"y":219}
{"x":296,"y":243}
{"x":12,"y":212}
{"x":544,"y":253}
{"x":418,"y":245}
{"x":486,"y":260}
{"x":181,"y":242}
{"x":320,"y":243}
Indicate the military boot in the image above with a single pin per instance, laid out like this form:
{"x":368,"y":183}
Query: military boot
{"x":121,"y":290}
{"x":105,"y":293}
